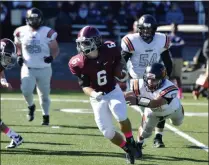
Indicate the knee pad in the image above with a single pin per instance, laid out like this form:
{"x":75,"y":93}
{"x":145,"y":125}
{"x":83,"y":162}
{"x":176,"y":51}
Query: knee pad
{"x":161,"y":124}
{"x":109,"y":134}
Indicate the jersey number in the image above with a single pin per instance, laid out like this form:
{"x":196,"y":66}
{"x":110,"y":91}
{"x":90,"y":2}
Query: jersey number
{"x":101,"y":78}
{"x":144,"y":59}
{"x":111,"y":45}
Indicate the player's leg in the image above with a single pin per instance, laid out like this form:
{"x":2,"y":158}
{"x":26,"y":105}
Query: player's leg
{"x":16,"y":139}
{"x":148,"y":123}
{"x":177,"y":117}
{"x":43,"y":90}
{"x":158,"y":139}
{"x":117,"y":105}
{"x":28,"y":82}
{"x":103,"y":119}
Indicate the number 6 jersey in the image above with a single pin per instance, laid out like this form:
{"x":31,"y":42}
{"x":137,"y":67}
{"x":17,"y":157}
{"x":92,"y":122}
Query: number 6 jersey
{"x":97,"y":73}
{"x":34,"y":44}
{"x":143,"y":54}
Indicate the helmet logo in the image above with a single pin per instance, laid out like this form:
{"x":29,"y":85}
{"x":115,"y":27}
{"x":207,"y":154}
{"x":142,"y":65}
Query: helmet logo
{"x":151,"y":75}
{"x":34,"y":15}
{"x":3,"y":44}
{"x":147,"y":25}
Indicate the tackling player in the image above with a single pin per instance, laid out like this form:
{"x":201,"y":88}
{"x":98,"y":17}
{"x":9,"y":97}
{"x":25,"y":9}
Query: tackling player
{"x":143,"y":49}
{"x":159,"y":97}
{"x":7,"y":59}
{"x":95,"y":66}
{"x":36,"y":49}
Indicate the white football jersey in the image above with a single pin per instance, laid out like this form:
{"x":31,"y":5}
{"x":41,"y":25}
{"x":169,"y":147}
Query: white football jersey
{"x":144,"y":54}
{"x":34,"y":44}
{"x":168,"y":90}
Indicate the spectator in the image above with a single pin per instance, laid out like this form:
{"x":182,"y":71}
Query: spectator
{"x":82,"y":14}
{"x":94,"y":14}
{"x":161,"y":11}
{"x":63,"y":23}
{"x":176,"y":48}
{"x":174,"y":14}
{"x":199,"y":8}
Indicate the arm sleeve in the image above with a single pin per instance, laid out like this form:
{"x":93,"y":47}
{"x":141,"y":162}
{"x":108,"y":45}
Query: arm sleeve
{"x":166,"y":58}
{"x":126,"y":55}
{"x":83,"y":81}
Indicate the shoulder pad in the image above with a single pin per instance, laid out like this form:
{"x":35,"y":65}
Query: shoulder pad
{"x":76,"y":63}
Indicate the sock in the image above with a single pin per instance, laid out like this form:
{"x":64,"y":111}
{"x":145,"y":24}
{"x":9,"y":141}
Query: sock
{"x":124,"y":146}
{"x":11,"y":134}
{"x":156,"y":132}
{"x":129,"y":137}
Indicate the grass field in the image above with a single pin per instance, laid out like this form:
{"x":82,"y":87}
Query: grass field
{"x":73,"y":138}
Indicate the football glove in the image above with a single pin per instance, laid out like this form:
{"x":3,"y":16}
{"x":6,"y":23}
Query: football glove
{"x":48,"y":59}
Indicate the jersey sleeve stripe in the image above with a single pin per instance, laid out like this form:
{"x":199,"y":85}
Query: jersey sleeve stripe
{"x":167,"y":42}
{"x":167,"y":90}
{"x":50,"y":33}
{"x":129,"y":44}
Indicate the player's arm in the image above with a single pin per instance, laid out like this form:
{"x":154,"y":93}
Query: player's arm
{"x":4,"y":82}
{"x":127,"y":48}
{"x":84,"y":83}
{"x":126,"y":55}
{"x":166,"y":58}
{"x":54,"y":48}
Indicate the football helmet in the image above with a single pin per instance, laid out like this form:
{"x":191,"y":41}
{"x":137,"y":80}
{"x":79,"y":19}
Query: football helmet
{"x":154,"y":76}
{"x":7,"y":53}
{"x":89,"y":39}
{"x":147,"y":27}
{"x":34,"y":18}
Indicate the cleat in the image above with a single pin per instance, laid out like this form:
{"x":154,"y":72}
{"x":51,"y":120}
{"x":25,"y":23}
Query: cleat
{"x":45,"y":120}
{"x":31,"y":111}
{"x":15,"y":142}
{"x":139,"y":150}
{"x":130,"y":155}
{"x":158,"y":142}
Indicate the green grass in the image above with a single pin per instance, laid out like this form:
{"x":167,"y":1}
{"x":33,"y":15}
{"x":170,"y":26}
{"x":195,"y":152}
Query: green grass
{"x":79,"y":142}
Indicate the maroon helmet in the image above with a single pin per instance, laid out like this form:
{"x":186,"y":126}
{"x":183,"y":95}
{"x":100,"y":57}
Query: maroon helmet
{"x":89,"y":39}
{"x":7,"y":53}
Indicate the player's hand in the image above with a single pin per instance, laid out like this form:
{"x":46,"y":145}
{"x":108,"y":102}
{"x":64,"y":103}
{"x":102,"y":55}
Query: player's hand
{"x":7,"y":85}
{"x":20,"y":60}
{"x":97,"y":95}
{"x":131,"y":98}
{"x":48,"y":59}
{"x":136,"y":87}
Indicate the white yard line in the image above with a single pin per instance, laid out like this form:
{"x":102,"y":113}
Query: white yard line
{"x":180,"y":133}
{"x":85,"y":101}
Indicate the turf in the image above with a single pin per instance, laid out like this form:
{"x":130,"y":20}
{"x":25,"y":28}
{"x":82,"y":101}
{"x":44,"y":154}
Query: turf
{"x":76,"y":139}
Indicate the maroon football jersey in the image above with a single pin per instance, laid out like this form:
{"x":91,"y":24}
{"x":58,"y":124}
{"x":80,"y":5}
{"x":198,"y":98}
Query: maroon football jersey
{"x":101,"y":70}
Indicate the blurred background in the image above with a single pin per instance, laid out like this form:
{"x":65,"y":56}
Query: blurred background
{"x":113,"y":18}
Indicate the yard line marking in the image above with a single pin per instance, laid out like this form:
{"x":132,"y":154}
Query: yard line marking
{"x":180,"y":133}
{"x":86,"y":101}
{"x":203,"y":114}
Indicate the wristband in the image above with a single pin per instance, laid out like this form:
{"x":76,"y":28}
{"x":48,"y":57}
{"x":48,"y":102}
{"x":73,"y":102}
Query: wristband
{"x":143,"y":101}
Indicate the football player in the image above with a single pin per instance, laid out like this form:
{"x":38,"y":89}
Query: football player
{"x":159,"y":97}
{"x":36,"y":49}
{"x":7,"y":59}
{"x":96,"y":66}
{"x":143,"y":49}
